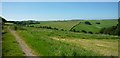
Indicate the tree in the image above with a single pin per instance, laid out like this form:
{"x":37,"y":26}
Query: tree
{"x":90,"y":32}
{"x":3,"y":20}
{"x":74,"y":30}
{"x":97,"y":22}
{"x":88,"y":23}
{"x":84,"y":31}
{"x":118,"y":27}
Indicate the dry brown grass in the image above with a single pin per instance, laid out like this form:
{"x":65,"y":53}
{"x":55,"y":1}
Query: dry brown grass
{"x":107,"y":47}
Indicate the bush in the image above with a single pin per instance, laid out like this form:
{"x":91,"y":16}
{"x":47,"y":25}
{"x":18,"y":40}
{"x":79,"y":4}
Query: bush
{"x":55,"y":28}
{"x":18,"y":28}
{"x":74,"y":30}
{"x":15,"y":27}
{"x":84,"y":31}
{"x":31,"y":26}
{"x":62,"y":29}
{"x":102,"y":30}
{"x":90,"y":32}
{"x":111,"y":30}
{"x":77,"y":31}
{"x":88,"y":23}
{"x":49,"y":27}
{"x":74,"y":53}
{"x":97,"y":22}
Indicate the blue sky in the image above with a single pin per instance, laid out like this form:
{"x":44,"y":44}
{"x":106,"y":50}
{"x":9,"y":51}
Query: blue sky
{"x":59,"y":10}
{"x":59,"y":0}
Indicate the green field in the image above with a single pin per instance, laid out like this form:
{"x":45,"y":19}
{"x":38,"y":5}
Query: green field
{"x":79,"y":25}
{"x":95,"y":27}
{"x":9,"y":45}
{"x":48,"y":42}
{"x":66,"y":25}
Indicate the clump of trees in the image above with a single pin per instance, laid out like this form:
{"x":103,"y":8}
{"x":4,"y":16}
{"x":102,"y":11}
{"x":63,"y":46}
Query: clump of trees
{"x":83,"y":31}
{"x":114,"y":30}
{"x":90,"y":32}
{"x":118,"y":27}
{"x":46,"y":27}
{"x":97,"y":22}
{"x":2,"y":20}
{"x":62,"y":29}
{"x":74,"y":30}
{"x":26,"y":22}
{"x":88,"y":23}
{"x":111,"y":30}
{"x":15,"y":27}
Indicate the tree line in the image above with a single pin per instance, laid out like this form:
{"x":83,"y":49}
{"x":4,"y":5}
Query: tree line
{"x":113,"y":30}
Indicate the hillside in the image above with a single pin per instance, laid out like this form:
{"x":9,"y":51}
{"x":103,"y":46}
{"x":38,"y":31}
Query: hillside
{"x":66,"y":25}
{"x":96,"y":25}
{"x":112,"y":30}
{"x":79,"y":25}
{"x":45,"y":40}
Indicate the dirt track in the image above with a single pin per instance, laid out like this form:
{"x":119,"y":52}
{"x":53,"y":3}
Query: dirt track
{"x":25,"y":48}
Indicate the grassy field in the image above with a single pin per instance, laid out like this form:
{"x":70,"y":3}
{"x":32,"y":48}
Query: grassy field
{"x":95,"y":27}
{"x":51,"y":42}
{"x":9,"y":45}
{"x":67,"y":25}
{"x":48,"y":42}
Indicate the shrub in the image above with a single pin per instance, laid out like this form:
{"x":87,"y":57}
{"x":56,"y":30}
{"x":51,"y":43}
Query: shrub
{"x":62,"y":29}
{"x":18,"y":28}
{"x":15,"y":27}
{"x":74,"y":53}
{"x":31,"y":26}
{"x":55,"y":28}
{"x":111,"y":30}
{"x":102,"y":30}
{"x":88,"y":23}
{"x":90,"y":32}
{"x":74,"y":30}
{"x":97,"y":22}
{"x":49,"y":27}
{"x":84,"y":31}
{"x":97,"y":33}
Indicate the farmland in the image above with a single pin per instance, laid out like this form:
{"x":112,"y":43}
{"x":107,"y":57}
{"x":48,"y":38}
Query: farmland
{"x":79,"y":25}
{"x":67,"y":25}
{"x":48,"y":42}
{"x":96,"y":27}
{"x":53,"y":42}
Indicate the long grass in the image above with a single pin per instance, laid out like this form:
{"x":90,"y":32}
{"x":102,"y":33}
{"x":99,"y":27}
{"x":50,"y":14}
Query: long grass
{"x":9,"y":45}
{"x":42,"y":42}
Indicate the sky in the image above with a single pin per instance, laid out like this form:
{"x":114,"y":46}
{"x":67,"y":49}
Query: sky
{"x":44,"y":11}
{"x":119,"y":9}
{"x":60,"y":0}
